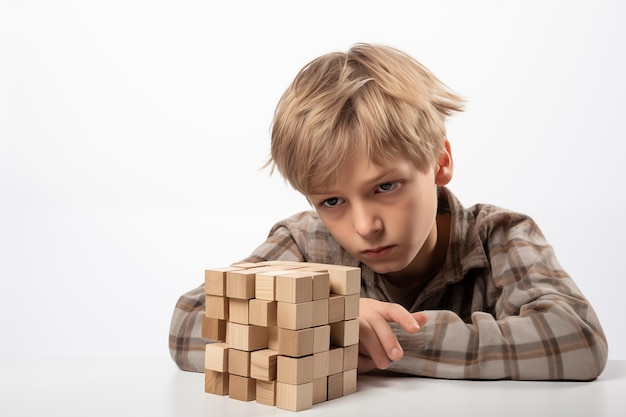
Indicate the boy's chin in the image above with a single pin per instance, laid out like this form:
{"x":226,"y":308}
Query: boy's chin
{"x":384,"y":268}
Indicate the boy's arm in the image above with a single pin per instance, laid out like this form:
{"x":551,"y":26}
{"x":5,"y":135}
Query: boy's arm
{"x":542,"y":327}
{"x":186,"y":343}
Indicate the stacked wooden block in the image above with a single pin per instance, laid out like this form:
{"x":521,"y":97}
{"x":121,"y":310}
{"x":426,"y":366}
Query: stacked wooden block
{"x":286,"y":333}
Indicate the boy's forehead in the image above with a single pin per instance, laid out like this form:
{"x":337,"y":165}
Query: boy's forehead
{"x":368,"y":171}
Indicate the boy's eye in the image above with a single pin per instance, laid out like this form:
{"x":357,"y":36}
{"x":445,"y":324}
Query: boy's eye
{"x":332,"y":202}
{"x":387,"y":186}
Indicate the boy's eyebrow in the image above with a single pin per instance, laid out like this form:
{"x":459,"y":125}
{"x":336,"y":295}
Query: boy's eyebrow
{"x":373,"y":180}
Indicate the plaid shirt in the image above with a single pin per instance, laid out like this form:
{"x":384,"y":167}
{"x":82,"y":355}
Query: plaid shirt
{"x":501,"y":307}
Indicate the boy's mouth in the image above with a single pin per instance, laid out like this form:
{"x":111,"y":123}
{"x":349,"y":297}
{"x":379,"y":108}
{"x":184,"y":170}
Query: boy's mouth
{"x":378,"y":252}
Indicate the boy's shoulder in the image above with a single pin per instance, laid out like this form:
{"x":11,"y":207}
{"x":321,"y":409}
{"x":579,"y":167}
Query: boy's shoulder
{"x":490,"y":223}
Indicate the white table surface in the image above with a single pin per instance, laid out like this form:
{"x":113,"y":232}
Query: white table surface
{"x":155,"y":387}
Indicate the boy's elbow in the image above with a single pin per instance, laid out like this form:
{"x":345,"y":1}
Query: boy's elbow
{"x":588,"y":363}
{"x":599,"y":351}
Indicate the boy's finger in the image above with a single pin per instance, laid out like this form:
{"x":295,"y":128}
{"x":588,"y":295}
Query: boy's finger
{"x":370,"y":345}
{"x":398,"y":314}
{"x":387,"y":339}
{"x":421,"y":318}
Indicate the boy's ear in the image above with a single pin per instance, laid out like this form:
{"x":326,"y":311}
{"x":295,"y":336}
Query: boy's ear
{"x":445,"y":166}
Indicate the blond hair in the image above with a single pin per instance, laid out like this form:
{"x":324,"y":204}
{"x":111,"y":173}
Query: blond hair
{"x":372,"y":100}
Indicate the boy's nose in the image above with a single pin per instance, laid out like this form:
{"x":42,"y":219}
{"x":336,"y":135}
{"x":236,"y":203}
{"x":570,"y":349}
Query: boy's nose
{"x":366,"y":221}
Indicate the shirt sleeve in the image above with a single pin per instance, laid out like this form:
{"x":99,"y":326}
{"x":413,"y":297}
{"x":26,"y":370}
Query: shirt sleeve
{"x":186,"y":343}
{"x":537,"y":325}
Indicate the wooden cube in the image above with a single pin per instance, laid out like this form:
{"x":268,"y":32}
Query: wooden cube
{"x":262,"y":312}
{"x":295,"y":371}
{"x":246,"y":337}
{"x":295,"y":343}
{"x":351,"y":306}
{"x":240,"y":284}
{"x":350,"y":357}
{"x":294,"y":397}
{"x":320,"y":390}
{"x":294,"y":316}
{"x":336,"y":308}
{"x":266,"y":392}
{"x":321,"y":338}
{"x":349,"y":381}
{"x":238,"y":310}
{"x":263,"y":364}
{"x":216,"y":307}
{"x":216,"y":357}
{"x":239,"y":362}
{"x":213,"y":329}
{"x":320,"y":312}
{"x":216,"y":382}
{"x":320,"y":364}
{"x":321,"y":285}
{"x":215,"y":281}
{"x":344,"y":280}
{"x":265,"y":284}
{"x":272,"y":338}
{"x":294,"y":287}
{"x":241,"y":388}
{"x":335,"y":386}
{"x":344,"y":333}
{"x":335,"y":360}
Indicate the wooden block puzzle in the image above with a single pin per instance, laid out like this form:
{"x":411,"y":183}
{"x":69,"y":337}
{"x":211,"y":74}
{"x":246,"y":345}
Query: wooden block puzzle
{"x":286,"y":333}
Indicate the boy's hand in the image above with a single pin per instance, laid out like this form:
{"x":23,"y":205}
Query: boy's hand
{"x":378,"y":346}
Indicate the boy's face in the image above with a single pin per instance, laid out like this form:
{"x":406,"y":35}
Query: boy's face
{"x":385,"y":216}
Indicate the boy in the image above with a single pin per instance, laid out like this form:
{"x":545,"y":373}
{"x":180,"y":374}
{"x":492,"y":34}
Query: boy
{"x":447,"y":291}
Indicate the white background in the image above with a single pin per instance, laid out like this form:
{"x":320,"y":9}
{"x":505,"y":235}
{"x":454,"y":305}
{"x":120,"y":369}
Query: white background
{"x":133,"y":133}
